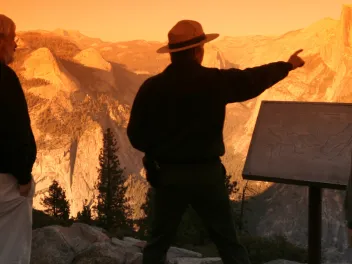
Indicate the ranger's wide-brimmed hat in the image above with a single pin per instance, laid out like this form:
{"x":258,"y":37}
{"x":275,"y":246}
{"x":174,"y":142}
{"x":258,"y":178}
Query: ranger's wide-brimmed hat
{"x":186,"y":34}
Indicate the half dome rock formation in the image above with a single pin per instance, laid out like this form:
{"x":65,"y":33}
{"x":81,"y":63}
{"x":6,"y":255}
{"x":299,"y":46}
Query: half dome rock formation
{"x":337,"y":54}
{"x":42,"y":64}
{"x":102,"y":69}
{"x":340,"y":42}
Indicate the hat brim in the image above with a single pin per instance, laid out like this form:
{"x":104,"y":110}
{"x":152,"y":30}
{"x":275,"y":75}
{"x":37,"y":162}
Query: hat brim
{"x":208,"y":38}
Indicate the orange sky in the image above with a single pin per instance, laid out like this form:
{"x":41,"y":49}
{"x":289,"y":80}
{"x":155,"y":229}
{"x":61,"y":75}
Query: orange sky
{"x":116,"y":20}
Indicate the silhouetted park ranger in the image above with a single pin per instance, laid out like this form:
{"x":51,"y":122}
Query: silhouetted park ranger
{"x":177,"y":120}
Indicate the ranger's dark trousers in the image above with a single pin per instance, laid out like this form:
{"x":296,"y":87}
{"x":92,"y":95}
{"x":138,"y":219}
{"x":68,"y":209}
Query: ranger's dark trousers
{"x":209,"y":198}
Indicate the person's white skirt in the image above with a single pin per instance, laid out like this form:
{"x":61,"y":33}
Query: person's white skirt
{"x":15,"y":222}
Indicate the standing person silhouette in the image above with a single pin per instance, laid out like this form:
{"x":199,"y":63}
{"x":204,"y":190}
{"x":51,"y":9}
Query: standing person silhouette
{"x":177,"y":120}
{"x":17,"y":155}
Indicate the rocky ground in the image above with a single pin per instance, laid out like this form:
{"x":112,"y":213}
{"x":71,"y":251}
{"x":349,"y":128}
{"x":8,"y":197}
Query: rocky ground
{"x":84,"y":244}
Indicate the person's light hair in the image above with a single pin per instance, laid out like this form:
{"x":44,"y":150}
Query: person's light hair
{"x":7,"y":26}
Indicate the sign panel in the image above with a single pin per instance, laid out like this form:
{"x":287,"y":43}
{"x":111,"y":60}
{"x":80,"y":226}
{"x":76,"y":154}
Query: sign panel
{"x":301,"y":143}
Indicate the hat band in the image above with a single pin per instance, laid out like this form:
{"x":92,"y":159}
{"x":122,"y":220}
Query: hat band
{"x":187,"y":43}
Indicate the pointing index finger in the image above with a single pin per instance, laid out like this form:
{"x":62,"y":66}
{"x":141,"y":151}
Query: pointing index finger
{"x":297,"y":52}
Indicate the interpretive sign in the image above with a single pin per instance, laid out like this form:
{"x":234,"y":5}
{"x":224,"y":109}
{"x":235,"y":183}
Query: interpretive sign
{"x":304,"y":143}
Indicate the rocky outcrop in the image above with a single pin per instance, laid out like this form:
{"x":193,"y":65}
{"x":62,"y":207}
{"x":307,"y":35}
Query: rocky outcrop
{"x":81,"y":243}
{"x":84,"y":244}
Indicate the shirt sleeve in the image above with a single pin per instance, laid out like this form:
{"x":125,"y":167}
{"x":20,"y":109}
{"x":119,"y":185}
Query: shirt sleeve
{"x":136,"y":129}
{"x":16,"y":137}
{"x":241,"y":85}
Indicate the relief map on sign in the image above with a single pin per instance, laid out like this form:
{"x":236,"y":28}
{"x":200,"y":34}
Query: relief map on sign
{"x":302,"y":141}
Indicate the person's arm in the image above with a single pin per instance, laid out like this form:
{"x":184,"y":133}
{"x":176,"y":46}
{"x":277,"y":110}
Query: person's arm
{"x":16,"y":138}
{"x":136,"y":129}
{"x":241,"y":85}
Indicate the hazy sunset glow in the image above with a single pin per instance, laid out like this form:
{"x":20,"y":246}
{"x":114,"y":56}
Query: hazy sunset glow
{"x":116,"y":20}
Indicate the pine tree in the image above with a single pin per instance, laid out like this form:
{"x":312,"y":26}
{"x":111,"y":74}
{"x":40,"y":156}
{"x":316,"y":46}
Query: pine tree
{"x":85,"y":216}
{"x":56,"y":203}
{"x":112,"y":207}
